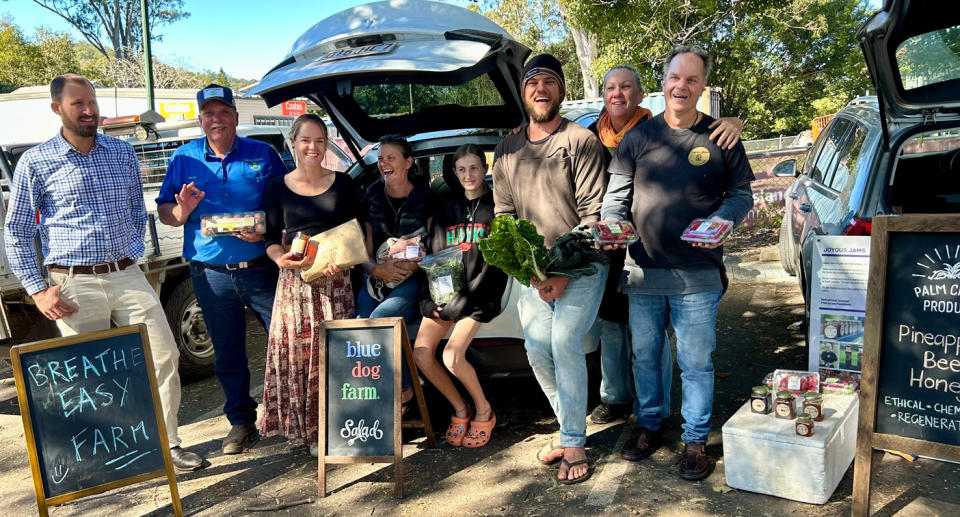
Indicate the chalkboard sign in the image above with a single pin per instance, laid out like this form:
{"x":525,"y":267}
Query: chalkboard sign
{"x":918,"y":388}
{"x":910,"y":387}
{"x":91,"y":414}
{"x":360,"y":417}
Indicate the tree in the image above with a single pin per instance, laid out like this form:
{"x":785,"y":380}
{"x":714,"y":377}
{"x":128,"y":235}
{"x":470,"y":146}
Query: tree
{"x":29,"y":62}
{"x":539,"y":25}
{"x":778,"y":63}
{"x":118,"y":20}
{"x":222,"y":78}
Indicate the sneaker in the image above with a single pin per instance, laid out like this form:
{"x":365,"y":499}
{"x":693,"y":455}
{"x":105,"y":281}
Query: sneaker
{"x":239,"y":438}
{"x":184,"y":459}
{"x":695,"y":464}
{"x":641,"y":444}
{"x":606,"y":413}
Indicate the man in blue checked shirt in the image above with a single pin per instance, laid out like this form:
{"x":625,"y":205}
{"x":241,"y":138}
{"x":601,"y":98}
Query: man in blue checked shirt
{"x":87,"y":189}
{"x":223,"y":173}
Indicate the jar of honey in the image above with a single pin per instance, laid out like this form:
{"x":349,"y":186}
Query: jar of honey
{"x":298,"y":247}
{"x":784,"y":407}
{"x":760,"y":400}
{"x":813,"y":405}
{"x":804,"y":424}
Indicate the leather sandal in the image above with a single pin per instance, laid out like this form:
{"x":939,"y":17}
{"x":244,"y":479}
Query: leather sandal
{"x":479,"y":433}
{"x":457,"y":429}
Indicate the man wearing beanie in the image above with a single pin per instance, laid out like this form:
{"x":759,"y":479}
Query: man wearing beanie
{"x":552,"y":173}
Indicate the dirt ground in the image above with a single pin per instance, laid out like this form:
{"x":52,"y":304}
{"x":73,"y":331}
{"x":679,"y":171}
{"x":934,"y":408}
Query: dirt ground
{"x":758,"y":331}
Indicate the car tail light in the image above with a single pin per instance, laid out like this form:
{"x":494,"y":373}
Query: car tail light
{"x":858,"y":227}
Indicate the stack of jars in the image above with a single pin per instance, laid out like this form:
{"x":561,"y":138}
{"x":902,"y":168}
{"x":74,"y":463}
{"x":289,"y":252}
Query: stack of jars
{"x":784,"y":406}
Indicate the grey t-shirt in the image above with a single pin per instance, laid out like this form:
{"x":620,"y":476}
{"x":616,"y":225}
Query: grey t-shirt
{"x":662,"y":179}
{"x":555,"y":183}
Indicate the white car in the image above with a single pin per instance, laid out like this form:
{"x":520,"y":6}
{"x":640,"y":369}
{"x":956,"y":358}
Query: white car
{"x":439,"y":74}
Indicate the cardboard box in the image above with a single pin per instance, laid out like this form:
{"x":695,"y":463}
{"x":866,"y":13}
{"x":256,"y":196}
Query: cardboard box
{"x":763,"y":454}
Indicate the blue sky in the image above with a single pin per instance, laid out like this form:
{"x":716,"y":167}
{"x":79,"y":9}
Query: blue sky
{"x":245,"y":37}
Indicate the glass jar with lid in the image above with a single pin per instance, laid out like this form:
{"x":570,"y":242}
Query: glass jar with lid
{"x":760,"y":400}
{"x":804,"y":424}
{"x":784,"y":407}
{"x":813,"y":405}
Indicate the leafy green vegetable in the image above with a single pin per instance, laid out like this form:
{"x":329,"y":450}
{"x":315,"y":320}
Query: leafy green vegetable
{"x":515,"y":247}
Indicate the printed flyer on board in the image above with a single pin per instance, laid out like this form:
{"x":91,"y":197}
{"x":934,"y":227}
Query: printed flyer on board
{"x":838,"y":301}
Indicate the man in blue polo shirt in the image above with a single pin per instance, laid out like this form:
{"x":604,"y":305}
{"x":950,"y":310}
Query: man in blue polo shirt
{"x":223,"y":173}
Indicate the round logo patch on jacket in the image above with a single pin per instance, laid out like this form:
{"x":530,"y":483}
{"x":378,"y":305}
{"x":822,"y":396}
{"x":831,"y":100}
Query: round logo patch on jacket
{"x":698,"y":156}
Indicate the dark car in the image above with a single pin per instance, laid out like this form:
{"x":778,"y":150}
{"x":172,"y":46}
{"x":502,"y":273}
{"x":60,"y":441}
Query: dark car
{"x":895,"y":153}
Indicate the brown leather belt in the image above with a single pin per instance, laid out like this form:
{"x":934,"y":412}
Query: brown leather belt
{"x":96,"y":269}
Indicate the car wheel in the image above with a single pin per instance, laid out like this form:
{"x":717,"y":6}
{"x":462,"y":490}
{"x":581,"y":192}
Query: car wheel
{"x":190,"y":332}
{"x":788,"y":249}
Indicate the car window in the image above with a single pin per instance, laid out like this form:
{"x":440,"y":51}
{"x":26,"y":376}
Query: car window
{"x":929,"y":58}
{"x":385,"y":100}
{"x":846,"y":169}
{"x":276,"y":141}
{"x":823,"y":168}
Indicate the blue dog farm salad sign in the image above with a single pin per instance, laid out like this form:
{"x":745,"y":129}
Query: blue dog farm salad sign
{"x":360,"y":392}
{"x":91,"y":414}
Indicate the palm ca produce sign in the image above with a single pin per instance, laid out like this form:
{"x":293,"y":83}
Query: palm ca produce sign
{"x":910,"y":388}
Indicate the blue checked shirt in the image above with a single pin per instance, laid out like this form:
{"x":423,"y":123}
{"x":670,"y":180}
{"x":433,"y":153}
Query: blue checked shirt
{"x":91,"y":207}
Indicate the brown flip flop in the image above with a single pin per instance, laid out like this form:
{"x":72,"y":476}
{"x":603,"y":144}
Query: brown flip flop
{"x":580,"y":479}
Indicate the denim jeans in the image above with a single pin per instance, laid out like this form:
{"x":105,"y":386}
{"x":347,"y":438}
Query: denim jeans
{"x":223,"y":295}
{"x":403,"y":302}
{"x":694,"y":321}
{"x":554,"y":335}
{"x":616,"y":387}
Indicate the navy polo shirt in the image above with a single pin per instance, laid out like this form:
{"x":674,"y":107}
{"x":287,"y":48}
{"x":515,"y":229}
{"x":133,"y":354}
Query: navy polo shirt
{"x":233,"y":184}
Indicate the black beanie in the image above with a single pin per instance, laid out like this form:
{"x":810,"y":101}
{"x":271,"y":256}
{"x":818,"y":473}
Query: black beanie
{"x":544,"y":64}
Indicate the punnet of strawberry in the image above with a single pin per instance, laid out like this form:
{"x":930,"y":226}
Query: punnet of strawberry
{"x":620,"y":232}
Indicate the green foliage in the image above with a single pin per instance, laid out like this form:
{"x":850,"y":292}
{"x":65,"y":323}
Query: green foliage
{"x":776,"y":61}
{"x":538,"y":25}
{"x":515,"y":247}
{"x":118,"y":20}
{"x":222,"y":78}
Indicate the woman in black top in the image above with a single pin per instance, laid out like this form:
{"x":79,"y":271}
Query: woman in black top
{"x":397,"y":205}
{"x":310,"y":199}
{"x":462,"y":218}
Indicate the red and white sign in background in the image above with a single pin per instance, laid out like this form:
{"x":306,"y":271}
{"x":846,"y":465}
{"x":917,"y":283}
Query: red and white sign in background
{"x":294,"y":108}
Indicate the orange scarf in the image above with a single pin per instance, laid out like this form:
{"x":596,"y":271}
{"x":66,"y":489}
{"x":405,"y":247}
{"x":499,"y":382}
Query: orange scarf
{"x":611,"y":138}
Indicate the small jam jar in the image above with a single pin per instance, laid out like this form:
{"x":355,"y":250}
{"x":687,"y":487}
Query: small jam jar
{"x":784,"y":405}
{"x":298,"y":247}
{"x":760,"y":400}
{"x":804,"y":424}
{"x":813,"y":405}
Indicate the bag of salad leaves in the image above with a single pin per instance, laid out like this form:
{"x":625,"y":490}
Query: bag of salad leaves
{"x":444,"y":271}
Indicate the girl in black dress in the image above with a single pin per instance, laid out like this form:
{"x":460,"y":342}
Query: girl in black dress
{"x":462,"y":218}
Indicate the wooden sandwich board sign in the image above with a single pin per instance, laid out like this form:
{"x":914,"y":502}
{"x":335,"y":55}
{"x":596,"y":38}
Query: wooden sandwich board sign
{"x":91,"y":414}
{"x":360,"y":417}
{"x":910,"y":388}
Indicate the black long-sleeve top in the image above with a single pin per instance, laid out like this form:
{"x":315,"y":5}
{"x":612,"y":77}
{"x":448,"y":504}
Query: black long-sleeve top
{"x":460,"y":220}
{"x":285,"y":209}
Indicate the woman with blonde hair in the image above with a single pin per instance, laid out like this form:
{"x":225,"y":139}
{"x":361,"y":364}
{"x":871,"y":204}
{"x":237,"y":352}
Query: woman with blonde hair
{"x":310,"y":199}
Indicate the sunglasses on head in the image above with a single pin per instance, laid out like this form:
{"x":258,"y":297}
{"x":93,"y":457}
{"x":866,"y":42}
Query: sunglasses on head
{"x":396,"y":137}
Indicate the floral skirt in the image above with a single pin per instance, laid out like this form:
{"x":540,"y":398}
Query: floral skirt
{"x":291,"y":381}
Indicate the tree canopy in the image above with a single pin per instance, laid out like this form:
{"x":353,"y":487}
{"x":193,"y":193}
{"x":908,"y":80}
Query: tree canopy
{"x":117,"y":20}
{"x":779,"y":63}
